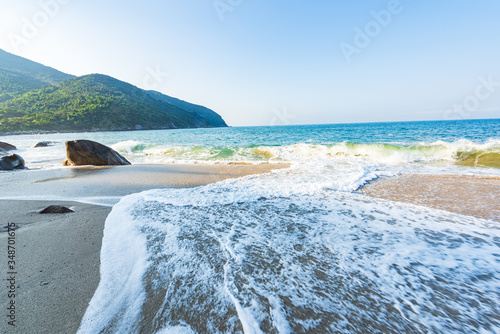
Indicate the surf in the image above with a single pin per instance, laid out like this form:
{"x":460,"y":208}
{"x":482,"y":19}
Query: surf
{"x":274,"y":254}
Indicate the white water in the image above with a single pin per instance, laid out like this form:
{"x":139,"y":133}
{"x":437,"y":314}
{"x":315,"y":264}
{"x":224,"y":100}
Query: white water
{"x":294,"y":251}
{"x":434,"y":156}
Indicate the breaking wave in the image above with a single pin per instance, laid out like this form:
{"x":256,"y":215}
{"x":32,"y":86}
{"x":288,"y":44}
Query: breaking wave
{"x":461,"y":151}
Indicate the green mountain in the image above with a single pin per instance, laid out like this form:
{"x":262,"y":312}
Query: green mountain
{"x":93,"y":102}
{"x":208,"y":114}
{"x":34,"y":97}
{"x":14,"y":84}
{"x":19,"y":75}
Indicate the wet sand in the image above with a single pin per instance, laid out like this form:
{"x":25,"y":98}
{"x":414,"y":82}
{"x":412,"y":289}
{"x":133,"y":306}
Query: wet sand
{"x":468,"y":195}
{"x":57,"y":255}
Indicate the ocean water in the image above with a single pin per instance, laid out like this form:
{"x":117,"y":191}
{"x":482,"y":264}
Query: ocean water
{"x":296,"y":250}
{"x":428,"y":144}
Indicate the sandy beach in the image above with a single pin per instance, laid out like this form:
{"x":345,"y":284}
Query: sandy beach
{"x":468,"y":195}
{"x":57,"y":255}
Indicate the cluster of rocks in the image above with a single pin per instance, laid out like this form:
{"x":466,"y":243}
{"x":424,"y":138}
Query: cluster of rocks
{"x":78,"y":153}
{"x":9,"y":161}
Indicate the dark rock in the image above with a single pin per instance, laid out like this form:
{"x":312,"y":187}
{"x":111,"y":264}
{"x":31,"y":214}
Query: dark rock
{"x":56,"y":209}
{"x":44,"y":143}
{"x":87,"y":152}
{"x":6,"y":146}
{"x":12,"y":161}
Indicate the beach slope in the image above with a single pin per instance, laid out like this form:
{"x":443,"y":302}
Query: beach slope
{"x":57,"y":255}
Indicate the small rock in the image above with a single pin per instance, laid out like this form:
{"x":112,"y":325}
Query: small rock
{"x":12,"y":161}
{"x":6,"y":146}
{"x":56,"y":209}
{"x":44,"y":143}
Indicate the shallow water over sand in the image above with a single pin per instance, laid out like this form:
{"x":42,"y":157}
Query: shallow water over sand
{"x":259,"y":254}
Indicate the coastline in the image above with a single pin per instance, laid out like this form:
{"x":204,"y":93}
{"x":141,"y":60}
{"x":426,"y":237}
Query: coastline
{"x":48,"y":132}
{"x":63,"y":250}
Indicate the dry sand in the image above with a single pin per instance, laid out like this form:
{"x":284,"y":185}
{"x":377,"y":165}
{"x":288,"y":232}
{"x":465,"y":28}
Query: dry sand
{"x":468,"y":195}
{"x":59,"y":250}
{"x":57,"y":255}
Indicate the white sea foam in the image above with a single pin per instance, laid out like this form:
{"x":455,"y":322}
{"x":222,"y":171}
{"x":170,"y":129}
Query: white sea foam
{"x":176,"y":330}
{"x":129,"y":146}
{"x":118,"y":299}
{"x":386,"y":153}
{"x":441,"y":156}
{"x":294,"y":251}
{"x":157,"y":150}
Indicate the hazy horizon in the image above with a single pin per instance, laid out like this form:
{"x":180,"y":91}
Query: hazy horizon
{"x":257,"y":63}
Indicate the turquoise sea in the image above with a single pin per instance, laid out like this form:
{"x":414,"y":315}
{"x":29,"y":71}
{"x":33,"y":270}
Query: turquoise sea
{"x":468,"y":143}
{"x":297,"y":250}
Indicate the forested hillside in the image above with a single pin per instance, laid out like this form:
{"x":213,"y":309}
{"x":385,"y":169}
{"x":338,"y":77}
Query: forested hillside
{"x":93,"y":102}
{"x":34,"y":97}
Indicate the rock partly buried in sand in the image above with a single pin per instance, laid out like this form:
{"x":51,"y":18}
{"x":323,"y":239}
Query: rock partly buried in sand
{"x":44,"y":143}
{"x":56,"y":209}
{"x":12,"y":161}
{"x":6,"y":146}
{"x":87,"y":152}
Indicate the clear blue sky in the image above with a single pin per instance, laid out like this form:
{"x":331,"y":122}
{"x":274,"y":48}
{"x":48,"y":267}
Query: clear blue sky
{"x":278,"y":62}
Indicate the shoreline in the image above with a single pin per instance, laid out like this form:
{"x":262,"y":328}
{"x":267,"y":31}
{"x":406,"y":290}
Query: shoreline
{"x":58,"y":255}
{"x":63,"y":250}
{"x":48,"y":132}
{"x":84,"y":182}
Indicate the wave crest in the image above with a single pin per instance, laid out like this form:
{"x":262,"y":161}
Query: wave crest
{"x":462,"y":152}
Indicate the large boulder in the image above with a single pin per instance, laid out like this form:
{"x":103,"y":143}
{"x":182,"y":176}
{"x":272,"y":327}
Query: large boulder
{"x":6,"y":146}
{"x":10,"y":162}
{"x":87,"y":152}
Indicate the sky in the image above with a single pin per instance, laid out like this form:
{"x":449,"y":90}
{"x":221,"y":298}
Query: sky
{"x":278,"y":62}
